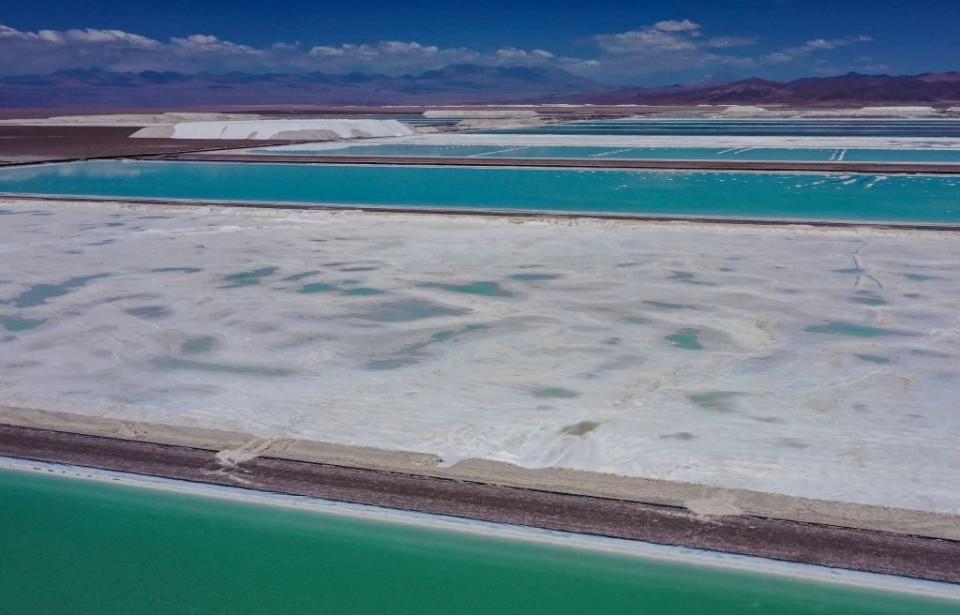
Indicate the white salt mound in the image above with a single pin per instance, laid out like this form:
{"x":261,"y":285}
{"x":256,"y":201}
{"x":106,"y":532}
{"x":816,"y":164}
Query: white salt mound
{"x":898,"y":111}
{"x":744,"y":110}
{"x":480,"y":113}
{"x":505,"y":123}
{"x":294,"y":130}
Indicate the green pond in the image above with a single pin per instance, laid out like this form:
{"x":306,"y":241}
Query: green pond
{"x":911,"y":198}
{"x":80,"y":546}
{"x":581,"y":152}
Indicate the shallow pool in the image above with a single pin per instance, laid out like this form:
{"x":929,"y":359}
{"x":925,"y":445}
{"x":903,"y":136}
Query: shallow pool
{"x":791,"y":154}
{"x":929,"y":199}
{"x":79,"y":546}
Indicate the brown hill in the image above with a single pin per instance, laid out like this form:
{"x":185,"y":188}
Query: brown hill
{"x":852,"y":88}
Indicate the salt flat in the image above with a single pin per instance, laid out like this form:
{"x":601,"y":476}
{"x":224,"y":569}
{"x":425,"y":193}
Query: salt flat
{"x":267,"y":129}
{"x":794,"y":360}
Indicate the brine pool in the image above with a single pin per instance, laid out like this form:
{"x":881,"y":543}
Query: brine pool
{"x":575,"y":152}
{"x":109,"y":546}
{"x":803,"y":196}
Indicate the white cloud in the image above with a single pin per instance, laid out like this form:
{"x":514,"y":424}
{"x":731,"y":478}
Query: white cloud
{"x":728,"y":42}
{"x":667,"y":47}
{"x":397,"y":57}
{"x":793,"y":54}
{"x":106,"y":37}
{"x":202,"y":48}
{"x":46,"y":51}
{"x":92,"y":36}
{"x":663,"y":47}
{"x":512,"y":53}
{"x":50,"y":50}
{"x":646,"y":40}
{"x":675,"y":46}
{"x":674,"y":25}
{"x":833,"y":43}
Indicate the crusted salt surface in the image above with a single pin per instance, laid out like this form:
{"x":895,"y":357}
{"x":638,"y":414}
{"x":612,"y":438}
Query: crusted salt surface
{"x":480,"y":113}
{"x":810,"y":362}
{"x":319,"y":129}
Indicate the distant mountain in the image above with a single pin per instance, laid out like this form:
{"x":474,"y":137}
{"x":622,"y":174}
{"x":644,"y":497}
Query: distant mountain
{"x":462,"y":83}
{"x":849,"y":89}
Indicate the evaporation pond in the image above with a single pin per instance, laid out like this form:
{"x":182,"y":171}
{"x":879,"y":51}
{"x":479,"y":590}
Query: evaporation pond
{"x":583,"y":152}
{"x":914,"y":198}
{"x":99,"y":548}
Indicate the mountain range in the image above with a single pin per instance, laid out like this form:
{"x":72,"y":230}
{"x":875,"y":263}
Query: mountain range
{"x":849,"y":89}
{"x":462,"y":83}
{"x":456,"y":84}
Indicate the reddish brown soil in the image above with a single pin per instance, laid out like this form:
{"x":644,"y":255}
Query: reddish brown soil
{"x":25,"y":143}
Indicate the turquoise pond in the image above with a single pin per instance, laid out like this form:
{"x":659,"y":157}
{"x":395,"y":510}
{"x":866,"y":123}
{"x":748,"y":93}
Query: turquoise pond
{"x":80,"y":546}
{"x":794,"y":154}
{"x":926,"y":199}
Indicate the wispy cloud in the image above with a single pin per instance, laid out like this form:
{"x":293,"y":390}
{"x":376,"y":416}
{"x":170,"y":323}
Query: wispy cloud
{"x":792,"y":54}
{"x":662,"y":37}
{"x":682,"y":45}
{"x":663,"y":47}
{"x":677,"y":25}
{"x":24,"y":52}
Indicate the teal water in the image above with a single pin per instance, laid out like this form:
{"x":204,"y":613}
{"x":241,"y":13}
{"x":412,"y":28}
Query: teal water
{"x":77,"y":546}
{"x":751,"y":127}
{"x":399,"y":149}
{"x":795,"y":154}
{"x":743,"y":195}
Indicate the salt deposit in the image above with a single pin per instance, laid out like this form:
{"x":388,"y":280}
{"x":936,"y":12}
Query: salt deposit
{"x":499,"y":124}
{"x":809,"y":362}
{"x":917,"y":111}
{"x":868,"y":112}
{"x":480,"y":113}
{"x":744,"y":110}
{"x":294,"y":130}
{"x":774,"y":111}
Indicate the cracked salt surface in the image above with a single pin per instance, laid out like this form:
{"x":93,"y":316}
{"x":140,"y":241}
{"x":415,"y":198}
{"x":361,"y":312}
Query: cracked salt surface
{"x":809,"y":362}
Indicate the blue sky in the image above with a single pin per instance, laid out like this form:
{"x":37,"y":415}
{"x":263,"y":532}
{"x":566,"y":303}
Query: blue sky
{"x":617,"y":42}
